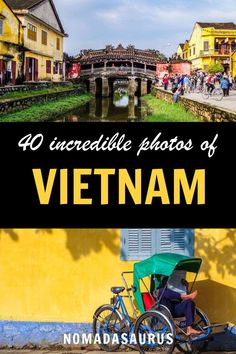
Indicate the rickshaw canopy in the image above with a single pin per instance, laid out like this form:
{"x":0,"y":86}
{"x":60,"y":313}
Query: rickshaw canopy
{"x":161,"y":264}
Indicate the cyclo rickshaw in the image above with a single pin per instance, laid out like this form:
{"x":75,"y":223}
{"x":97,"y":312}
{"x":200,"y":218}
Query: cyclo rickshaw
{"x":154,"y":319}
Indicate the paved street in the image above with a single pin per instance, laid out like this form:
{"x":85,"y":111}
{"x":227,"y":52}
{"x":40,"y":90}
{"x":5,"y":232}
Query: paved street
{"x":228,"y":103}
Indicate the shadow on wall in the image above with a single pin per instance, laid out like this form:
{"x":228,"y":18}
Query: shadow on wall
{"x":78,"y":245}
{"x":10,"y":232}
{"x":81,"y":242}
{"x":220,"y":251}
{"x":217,"y":301}
{"x":217,"y":293}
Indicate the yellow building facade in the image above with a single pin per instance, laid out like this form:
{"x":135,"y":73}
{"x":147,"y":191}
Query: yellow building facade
{"x":11,"y":41}
{"x":62,"y":276}
{"x":43,"y":39}
{"x":179,"y":51}
{"x":212,"y":43}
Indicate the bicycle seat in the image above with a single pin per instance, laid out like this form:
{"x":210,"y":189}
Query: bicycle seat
{"x":117,"y":289}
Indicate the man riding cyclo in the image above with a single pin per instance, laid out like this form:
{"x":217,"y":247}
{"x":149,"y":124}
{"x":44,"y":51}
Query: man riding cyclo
{"x":176,"y":297}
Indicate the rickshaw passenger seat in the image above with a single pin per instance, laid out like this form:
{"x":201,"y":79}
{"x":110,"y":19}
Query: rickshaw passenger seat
{"x":117,"y":289}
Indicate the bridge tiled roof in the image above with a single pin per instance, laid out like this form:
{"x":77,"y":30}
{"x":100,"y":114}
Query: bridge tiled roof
{"x":120,"y":53}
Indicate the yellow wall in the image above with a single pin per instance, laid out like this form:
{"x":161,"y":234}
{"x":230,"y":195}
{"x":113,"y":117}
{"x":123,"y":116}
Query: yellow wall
{"x":234,"y":64}
{"x":202,"y":60}
{"x":10,"y":34}
{"x":40,"y":51}
{"x":217,"y":281}
{"x":64,"y":275}
{"x":10,"y":24}
{"x":180,"y":51}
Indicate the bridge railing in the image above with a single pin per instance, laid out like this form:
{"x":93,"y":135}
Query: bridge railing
{"x":118,"y":70}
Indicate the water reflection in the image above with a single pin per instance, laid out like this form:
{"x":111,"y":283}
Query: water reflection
{"x":113,"y":109}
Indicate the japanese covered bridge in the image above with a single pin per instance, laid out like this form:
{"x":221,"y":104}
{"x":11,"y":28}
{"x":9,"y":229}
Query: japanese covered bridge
{"x":101,"y":68}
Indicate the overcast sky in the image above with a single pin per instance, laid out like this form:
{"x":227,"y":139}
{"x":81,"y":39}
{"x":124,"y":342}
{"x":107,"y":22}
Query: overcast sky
{"x":155,"y":24}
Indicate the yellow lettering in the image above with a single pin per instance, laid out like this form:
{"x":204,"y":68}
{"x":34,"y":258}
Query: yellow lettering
{"x":104,"y":173}
{"x":157,"y":176}
{"x":44,"y":194}
{"x":63,"y":187}
{"x":180,"y":179}
{"x":79,"y":186}
{"x":135,"y":190}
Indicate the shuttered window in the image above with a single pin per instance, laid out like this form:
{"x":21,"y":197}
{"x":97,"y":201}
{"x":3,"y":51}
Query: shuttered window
{"x":1,"y":26}
{"x":48,"y":66}
{"x":44,"y":38}
{"x":32,"y":32}
{"x":206,"y":46}
{"x":58,"y":44}
{"x":138,"y":244}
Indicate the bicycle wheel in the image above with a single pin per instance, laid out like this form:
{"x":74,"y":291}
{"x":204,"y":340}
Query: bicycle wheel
{"x":205,"y":94}
{"x":195,"y":346}
{"x":154,"y":332}
{"x":218,"y":94}
{"x":107,"y":321}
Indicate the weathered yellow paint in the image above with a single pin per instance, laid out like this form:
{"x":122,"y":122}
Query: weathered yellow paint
{"x":64,"y":275}
{"x":11,"y":36}
{"x":15,"y":34}
{"x":234,"y":64}
{"x":40,"y":51}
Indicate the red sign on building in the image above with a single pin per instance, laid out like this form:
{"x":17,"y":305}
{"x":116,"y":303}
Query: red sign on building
{"x":174,"y":68}
{"x":74,"y":71}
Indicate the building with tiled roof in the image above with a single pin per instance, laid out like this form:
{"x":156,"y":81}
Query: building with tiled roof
{"x":211,"y":43}
{"x":43,"y":38}
{"x":11,"y":45}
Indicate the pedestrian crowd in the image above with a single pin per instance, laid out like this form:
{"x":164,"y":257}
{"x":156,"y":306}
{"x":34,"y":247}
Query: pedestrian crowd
{"x":180,"y":84}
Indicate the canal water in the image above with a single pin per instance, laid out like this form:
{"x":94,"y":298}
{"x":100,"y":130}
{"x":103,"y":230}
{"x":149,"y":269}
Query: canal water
{"x":113,"y":109}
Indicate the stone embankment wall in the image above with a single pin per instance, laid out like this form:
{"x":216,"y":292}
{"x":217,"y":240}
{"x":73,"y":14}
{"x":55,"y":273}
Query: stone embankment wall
{"x":11,"y":105}
{"x":33,"y":86}
{"x":204,"y":111}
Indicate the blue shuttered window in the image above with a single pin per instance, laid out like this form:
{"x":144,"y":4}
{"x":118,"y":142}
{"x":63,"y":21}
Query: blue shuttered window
{"x":138,"y":244}
{"x":1,"y":26}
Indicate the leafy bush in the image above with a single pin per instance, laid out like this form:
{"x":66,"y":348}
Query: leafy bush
{"x":216,"y":68}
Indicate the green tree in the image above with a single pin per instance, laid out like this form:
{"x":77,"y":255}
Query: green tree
{"x":216,"y":68}
{"x":169,"y":68}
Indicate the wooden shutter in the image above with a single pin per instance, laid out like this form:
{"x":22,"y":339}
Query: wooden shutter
{"x":36,"y":70}
{"x":1,"y":69}
{"x":32,"y":32}
{"x":60,"y":69}
{"x":27,"y":61}
{"x":137,"y":244}
{"x":206,"y":46}
{"x":48,"y":66}
{"x":1,"y":65}
{"x":58,"y":44}
{"x":13,"y":69}
{"x":1,"y":27}
{"x":44,"y":37}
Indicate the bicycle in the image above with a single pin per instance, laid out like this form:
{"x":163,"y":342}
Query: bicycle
{"x":154,"y":327}
{"x":116,"y":327}
{"x":216,"y":93}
